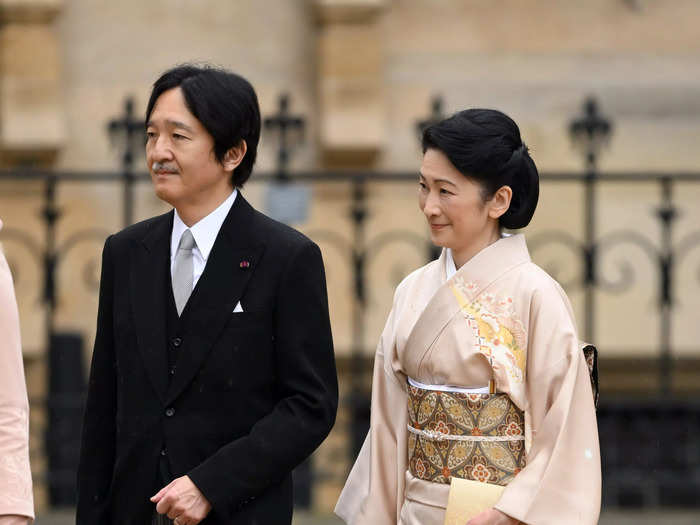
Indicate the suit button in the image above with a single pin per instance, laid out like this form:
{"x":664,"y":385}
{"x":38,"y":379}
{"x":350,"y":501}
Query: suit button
{"x":170,"y":412}
{"x":172,"y":371}
{"x":177,"y":341}
{"x":163,"y":452}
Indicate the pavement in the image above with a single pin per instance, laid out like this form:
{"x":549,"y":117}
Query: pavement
{"x":648,"y":517}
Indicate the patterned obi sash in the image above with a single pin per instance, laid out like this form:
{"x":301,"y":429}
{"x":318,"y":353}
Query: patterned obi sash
{"x":464,"y":435}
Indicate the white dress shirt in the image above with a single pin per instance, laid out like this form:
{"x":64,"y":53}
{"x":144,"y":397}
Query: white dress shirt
{"x":204,"y":232}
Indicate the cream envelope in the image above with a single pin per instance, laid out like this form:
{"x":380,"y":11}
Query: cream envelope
{"x":468,"y":498}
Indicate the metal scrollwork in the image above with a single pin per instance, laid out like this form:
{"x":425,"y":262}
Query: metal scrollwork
{"x":626,"y":274}
{"x":90,"y":276}
{"x":26,"y":241}
{"x":386,"y":239}
{"x":553,"y":267}
{"x":687,"y":245}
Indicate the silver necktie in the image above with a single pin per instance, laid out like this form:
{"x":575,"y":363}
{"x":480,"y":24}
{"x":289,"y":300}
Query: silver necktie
{"x":183,"y":271}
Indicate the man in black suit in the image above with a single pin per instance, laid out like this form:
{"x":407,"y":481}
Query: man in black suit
{"x":213,"y":373}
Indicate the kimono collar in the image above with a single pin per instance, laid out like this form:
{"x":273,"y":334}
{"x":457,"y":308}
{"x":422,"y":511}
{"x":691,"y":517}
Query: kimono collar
{"x":450,"y":267}
{"x":489,"y":264}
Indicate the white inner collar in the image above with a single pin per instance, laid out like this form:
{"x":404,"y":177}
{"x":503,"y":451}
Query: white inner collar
{"x":205,"y":230}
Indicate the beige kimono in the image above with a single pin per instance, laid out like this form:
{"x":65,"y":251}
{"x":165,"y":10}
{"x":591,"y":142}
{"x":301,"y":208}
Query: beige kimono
{"x":499,"y":315}
{"x":15,"y":476}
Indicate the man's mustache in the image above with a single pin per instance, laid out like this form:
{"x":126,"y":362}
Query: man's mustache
{"x":162,"y":166}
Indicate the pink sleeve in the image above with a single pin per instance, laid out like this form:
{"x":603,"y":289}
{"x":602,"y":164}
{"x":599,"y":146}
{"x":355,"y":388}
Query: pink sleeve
{"x":15,"y":475}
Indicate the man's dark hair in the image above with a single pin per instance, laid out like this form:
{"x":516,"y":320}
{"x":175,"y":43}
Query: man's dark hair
{"x":485,"y":145}
{"x":225,"y":104}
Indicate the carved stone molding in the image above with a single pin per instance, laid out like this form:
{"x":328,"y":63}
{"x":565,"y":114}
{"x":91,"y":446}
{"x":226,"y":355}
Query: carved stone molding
{"x":350,"y":79}
{"x":348,"y":11}
{"x":29,"y":11}
{"x":32,"y":123}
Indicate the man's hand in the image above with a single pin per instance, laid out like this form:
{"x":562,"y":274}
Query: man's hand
{"x":14,"y":520}
{"x":492,"y":517}
{"x":182,"y":502}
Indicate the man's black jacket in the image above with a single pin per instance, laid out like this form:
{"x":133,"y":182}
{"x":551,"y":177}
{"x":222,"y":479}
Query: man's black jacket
{"x":253,"y":393}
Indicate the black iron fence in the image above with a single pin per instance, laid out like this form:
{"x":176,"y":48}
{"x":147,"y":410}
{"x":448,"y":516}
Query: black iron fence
{"x":650,"y":446}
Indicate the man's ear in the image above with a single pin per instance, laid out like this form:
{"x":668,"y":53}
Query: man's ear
{"x":500,"y":202}
{"x":234,"y":156}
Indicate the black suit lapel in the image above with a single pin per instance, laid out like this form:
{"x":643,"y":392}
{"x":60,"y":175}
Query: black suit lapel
{"x":231,"y":263}
{"x":149,"y":286}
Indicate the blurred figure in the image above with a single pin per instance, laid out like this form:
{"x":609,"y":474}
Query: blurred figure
{"x":482,"y":407}
{"x":16,"y":500}
{"x":213,"y":374}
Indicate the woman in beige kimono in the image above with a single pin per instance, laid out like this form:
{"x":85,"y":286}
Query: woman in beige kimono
{"x":16,"y":503}
{"x":478,"y":374}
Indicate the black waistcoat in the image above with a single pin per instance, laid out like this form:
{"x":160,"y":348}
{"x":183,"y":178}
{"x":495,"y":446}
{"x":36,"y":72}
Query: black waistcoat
{"x":174,"y":325}
{"x":173,"y":330}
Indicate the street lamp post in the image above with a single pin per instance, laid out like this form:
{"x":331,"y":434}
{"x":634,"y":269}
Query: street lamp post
{"x":130,"y":131}
{"x":589,"y":133}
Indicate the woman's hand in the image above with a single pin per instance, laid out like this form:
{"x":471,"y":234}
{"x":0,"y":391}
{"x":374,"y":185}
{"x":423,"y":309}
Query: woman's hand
{"x":492,"y":517}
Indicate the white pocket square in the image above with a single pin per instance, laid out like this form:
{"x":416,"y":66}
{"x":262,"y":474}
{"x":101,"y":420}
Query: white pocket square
{"x":238,"y":308}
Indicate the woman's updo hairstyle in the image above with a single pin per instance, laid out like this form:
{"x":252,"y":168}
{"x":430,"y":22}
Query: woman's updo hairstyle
{"x":485,"y":145}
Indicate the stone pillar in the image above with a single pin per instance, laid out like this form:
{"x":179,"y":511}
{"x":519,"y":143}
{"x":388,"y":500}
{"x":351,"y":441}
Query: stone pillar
{"x":32,"y":127}
{"x":351,"y":93}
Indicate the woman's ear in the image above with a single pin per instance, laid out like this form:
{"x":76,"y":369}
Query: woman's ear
{"x":234,"y":156}
{"x":500,"y":202}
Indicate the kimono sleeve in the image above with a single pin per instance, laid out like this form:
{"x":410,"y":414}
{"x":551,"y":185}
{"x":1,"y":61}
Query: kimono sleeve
{"x":561,"y":482}
{"x":374,"y":490}
{"x":15,"y":475}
